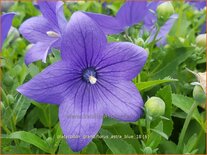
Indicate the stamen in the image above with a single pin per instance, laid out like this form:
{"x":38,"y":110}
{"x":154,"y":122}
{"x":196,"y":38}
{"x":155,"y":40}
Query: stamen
{"x":92,"y":79}
{"x":52,"y":34}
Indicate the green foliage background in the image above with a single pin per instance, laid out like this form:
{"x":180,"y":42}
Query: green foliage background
{"x":29,"y":127}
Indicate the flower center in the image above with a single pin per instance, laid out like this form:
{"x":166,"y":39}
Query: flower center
{"x":89,"y":75}
{"x":52,"y":34}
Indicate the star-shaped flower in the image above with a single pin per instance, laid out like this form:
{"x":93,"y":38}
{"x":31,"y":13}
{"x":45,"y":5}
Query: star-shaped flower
{"x":93,"y":79}
{"x":6,"y":22}
{"x":44,"y":32}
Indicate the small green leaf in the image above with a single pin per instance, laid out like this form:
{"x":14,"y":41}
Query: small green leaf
{"x":65,"y":149}
{"x":20,"y":107}
{"x":165,"y":94}
{"x":48,"y":114}
{"x":110,"y":122}
{"x":117,"y":145}
{"x":161,"y":133}
{"x":149,"y":84}
{"x":172,"y":61}
{"x":184,"y":103}
{"x":154,"y":138}
{"x":29,"y":138}
{"x":91,"y":148}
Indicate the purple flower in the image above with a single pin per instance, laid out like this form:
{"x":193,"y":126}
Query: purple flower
{"x":93,"y":79}
{"x":6,"y":22}
{"x":45,"y":31}
{"x":150,"y":21}
{"x":131,"y":13}
{"x":198,"y":4}
{"x":164,"y":30}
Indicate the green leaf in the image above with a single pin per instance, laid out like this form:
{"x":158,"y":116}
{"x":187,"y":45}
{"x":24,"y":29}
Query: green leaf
{"x":48,"y":114}
{"x":91,"y":148}
{"x":155,"y":138}
{"x":124,"y":130}
{"x":166,"y":95}
{"x":110,"y":122}
{"x":20,"y":108}
{"x":190,"y":144}
{"x":29,"y":138}
{"x":117,"y":145}
{"x":33,"y":70}
{"x":31,"y":118}
{"x":65,"y":149}
{"x":167,"y":147}
{"x":172,"y":61}
{"x":184,"y":103}
{"x":161,"y":133}
{"x":149,"y":84}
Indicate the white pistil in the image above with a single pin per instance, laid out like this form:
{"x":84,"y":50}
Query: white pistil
{"x":52,"y":34}
{"x":92,"y":79}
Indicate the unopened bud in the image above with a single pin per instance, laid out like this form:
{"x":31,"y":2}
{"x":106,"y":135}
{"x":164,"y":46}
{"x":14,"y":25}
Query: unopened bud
{"x":165,"y":10}
{"x":199,"y":94}
{"x":155,"y":107}
{"x":201,"y":40}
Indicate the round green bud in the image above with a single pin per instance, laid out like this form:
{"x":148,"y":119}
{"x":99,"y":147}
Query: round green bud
{"x":199,"y":94}
{"x":165,"y":10}
{"x":155,"y":107}
{"x":201,"y":40}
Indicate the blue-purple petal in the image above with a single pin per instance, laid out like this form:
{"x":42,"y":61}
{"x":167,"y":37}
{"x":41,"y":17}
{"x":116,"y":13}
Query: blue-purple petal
{"x":121,"y":99}
{"x":109,"y":24}
{"x":163,"y":32}
{"x":150,"y":18}
{"x":121,"y":61}
{"x":6,"y":22}
{"x":165,"y":29}
{"x":35,"y":29}
{"x":198,"y":4}
{"x":39,"y":51}
{"x":81,"y":115}
{"x":51,"y":85}
{"x":131,"y":13}
{"x":83,"y":41}
{"x":53,"y":12}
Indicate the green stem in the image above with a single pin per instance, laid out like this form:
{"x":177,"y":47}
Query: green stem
{"x":128,"y":37}
{"x":140,"y":128}
{"x":148,"y":121}
{"x":185,"y":126}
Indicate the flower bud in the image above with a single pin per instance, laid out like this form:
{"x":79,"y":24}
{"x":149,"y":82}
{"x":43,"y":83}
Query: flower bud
{"x":199,"y":94}
{"x":201,"y":40}
{"x":165,"y":10}
{"x":155,"y":107}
